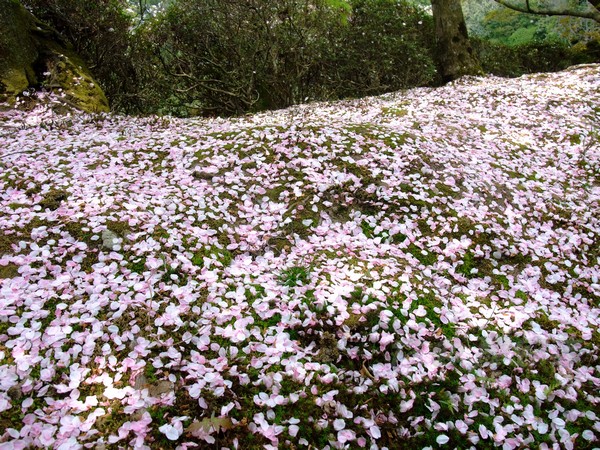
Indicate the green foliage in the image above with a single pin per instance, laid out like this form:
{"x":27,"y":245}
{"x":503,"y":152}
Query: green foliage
{"x":209,"y":57}
{"x":514,"y":61}
{"x":294,"y":276}
{"x":234,"y":56}
{"x":230,"y":57}
{"x":343,"y":6}
{"x":491,"y":21}
{"x":388,"y":46}
{"x":510,"y":43}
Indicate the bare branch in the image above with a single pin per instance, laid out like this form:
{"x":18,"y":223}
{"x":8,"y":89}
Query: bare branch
{"x":592,"y":13}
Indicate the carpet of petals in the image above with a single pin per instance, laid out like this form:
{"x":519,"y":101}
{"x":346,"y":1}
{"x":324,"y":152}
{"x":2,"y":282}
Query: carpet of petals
{"x":421,"y":267}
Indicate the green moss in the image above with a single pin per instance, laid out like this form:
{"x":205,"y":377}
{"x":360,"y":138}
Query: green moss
{"x":8,"y":241}
{"x":446,"y":190}
{"x":367,"y":229}
{"x":423,"y":256}
{"x":15,"y":206}
{"x":69,"y":72}
{"x":150,"y":373}
{"x":502,"y":280}
{"x":138,"y":265}
{"x":13,"y":82}
{"x":75,"y":230}
{"x":399,"y":238}
{"x":53,"y":199}
{"x":33,"y":191}
{"x":274,"y":193}
{"x":546,"y":371}
{"x":265,"y":324}
{"x":298,"y":224}
{"x":279,"y":244}
{"x":222,"y":255}
{"x":255,"y":291}
{"x":394,"y":112}
{"x":119,"y":227}
{"x":9,"y":271}
{"x":25,"y":44}
{"x":17,"y":48}
{"x":468,"y":264}
{"x":430,"y":302}
{"x":294,"y":276}
{"x":173,"y":275}
{"x":13,"y":417}
{"x":522,"y":295}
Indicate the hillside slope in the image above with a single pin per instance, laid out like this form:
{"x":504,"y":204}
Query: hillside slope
{"x":419,"y":268}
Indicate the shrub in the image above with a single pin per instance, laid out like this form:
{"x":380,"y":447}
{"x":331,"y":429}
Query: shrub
{"x":229,"y":57}
{"x":387,"y":46}
{"x":235,"y":56}
{"x":514,"y":61}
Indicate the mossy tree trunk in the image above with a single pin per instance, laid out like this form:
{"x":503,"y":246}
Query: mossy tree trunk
{"x":455,"y":54}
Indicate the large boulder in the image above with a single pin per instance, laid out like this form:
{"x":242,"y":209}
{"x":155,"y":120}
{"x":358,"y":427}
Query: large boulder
{"x":32,"y":55}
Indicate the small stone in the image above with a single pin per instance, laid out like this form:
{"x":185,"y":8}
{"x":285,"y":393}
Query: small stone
{"x":328,"y":350}
{"x":199,"y":175}
{"x":160,"y":388}
{"x":15,"y":392}
{"x":140,"y":382}
{"x":110,"y":240}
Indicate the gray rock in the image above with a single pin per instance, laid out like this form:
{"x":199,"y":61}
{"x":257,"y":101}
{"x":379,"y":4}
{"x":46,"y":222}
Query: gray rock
{"x":110,"y":240}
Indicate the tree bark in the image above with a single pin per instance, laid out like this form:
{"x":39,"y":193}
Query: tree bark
{"x":592,"y":12}
{"x":455,"y":54}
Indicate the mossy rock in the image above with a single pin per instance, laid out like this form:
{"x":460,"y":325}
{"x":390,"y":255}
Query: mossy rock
{"x":53,"y":199}
{"x":13,"y":82}
{"x":69,"y":73}
{"x":18,"y":48}
{"x":32,"y":55}
{"x":328,"y":351}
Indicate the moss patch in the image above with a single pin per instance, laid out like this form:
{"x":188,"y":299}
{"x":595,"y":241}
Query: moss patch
{"x":53,"y":199}
{"x":9,"y":271}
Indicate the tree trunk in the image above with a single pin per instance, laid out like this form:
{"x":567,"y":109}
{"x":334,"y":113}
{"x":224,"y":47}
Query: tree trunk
{"x":455,"y":54}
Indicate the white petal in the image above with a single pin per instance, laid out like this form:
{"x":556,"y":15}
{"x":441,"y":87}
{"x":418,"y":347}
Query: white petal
{"x":170,"y":431}
{"x":442,"y":439}
{"x":375,"y":432}
{"x":339,"y":424}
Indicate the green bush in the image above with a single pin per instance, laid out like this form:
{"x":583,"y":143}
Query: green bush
{"x":388,"y":45}
{"x":229,"y":57}
{"x":514,"y":61}
{"x":235,"y":56}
